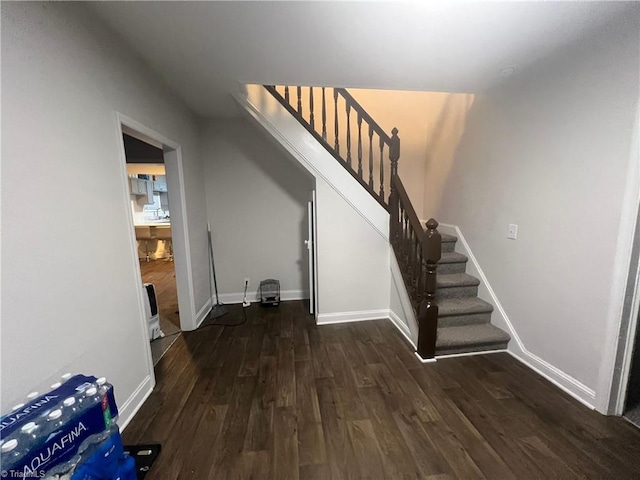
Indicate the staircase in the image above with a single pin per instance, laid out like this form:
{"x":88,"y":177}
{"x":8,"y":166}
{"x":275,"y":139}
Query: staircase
{"x":451,"y":318}
{"x":463,"y":318}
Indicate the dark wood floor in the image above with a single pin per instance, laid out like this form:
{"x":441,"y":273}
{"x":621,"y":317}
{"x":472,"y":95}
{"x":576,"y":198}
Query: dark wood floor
{"x":162,"y":274}
{"x":280,"y":398}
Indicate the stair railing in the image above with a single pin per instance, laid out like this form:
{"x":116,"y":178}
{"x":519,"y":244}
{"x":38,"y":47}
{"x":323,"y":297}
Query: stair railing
{"x":418,"y":252}
{"x":348,"y":132}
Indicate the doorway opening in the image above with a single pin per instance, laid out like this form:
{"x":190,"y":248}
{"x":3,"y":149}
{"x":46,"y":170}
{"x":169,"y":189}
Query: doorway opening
{"x":151,"y":211}
{"x":152,"y":167}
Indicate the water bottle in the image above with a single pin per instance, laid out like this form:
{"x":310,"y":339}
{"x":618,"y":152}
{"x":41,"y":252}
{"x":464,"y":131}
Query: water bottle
{"x":92,"y":398}
{"x":9,"y":455}
{"x":53,"y":423}
{"x":32,"y":396}
{"x":29,"y":438}
{"x":103,"y":389}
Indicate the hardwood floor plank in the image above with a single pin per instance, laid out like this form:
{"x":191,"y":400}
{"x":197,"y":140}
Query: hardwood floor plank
{"x":286,"y":378}
{"x":365,"y":447}
{"x":260,"y":425}
{"x":226,"y":459}
{"x":340,"y":454}
{"x":428,"y":459}
{"x":396,"y":458}
{"x":311,"y":448}
{"x":285,"y":451}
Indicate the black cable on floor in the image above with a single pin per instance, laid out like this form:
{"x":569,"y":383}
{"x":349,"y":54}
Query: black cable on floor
{"x":220,"y":321}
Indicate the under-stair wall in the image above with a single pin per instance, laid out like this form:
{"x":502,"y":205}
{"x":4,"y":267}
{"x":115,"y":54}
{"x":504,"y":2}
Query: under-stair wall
{"x":352,"y":227}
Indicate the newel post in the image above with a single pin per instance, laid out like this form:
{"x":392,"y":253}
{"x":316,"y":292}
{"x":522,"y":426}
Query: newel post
{"x":394,"y":151}
{"x":428,"y":310}
{"x":394,"y":208}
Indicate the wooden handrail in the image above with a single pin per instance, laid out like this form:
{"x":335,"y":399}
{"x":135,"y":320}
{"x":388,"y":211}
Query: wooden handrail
{"x":357,"y":107}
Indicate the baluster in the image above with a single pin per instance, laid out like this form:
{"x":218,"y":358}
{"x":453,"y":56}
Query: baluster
{"x":405,"y":239}
{"x":370,"y":156}
{"x":417,"y":270}
{"x":349,"y":134}
{"x":393,"y":214}
{"x":359,"y":145}
{"x":394,"y":155}
{"x":299,"y":92}
{"x":324,"y":117}
{"x":381,"y":170}
{"x":420,"y":273}
{"x":428,"y":311}
{"x":286,"y":93}
{"x":311,"y":118}
{"x":335,"y":111}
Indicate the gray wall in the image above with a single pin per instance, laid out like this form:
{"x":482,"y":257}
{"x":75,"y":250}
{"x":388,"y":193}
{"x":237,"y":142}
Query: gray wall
{"x":550,"y":150}
{"x":70,"y":298}
{"x":257,"y":206}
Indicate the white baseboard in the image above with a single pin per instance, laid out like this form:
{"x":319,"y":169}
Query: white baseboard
{"x":562,"y":380}
{"x":347,"y":317}
{"x":402,"y":327}
{"x":131,"y":406}
{"x":469,"y":354}
{"x":201,"y":316}
{"x":517,"y":349}
{"x":252,"y":296}
{"x":425,"y":360}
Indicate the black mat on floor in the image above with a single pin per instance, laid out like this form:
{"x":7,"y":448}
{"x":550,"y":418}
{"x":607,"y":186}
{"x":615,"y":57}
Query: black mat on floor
{"x":144,"y":456}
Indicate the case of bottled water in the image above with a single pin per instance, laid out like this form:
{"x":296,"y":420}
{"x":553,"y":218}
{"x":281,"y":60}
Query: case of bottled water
{"x":70,"y":431}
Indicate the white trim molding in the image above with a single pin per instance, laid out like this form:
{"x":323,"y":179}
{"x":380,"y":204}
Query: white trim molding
{"x":517,"y":349}
{"x":402,"y":327}
{"x":348,"y":317}
{"x":253,"y":296}
{"x":131,"y":406}
{"x":203,"y":313}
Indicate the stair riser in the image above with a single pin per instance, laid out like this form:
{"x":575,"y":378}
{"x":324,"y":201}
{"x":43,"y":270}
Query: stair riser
{"x":472,"y":348}
{"x":448,"y":247}
{"x":469,"y":319}
{"x":457,"y":292}
{"x":444,"y":268}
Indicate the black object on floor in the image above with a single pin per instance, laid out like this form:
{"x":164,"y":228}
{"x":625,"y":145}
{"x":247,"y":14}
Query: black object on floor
{"x":144,"y":455}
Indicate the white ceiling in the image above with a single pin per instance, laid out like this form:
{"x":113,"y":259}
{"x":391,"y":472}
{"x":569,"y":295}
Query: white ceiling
{"x":205,"y":49}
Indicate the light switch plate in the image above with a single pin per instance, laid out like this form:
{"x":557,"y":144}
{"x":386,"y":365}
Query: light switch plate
{"x":513,"y":231}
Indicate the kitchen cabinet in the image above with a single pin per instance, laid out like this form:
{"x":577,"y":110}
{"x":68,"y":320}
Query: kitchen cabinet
{"x":160,"y":186}
{"x":149,"y":192}
{"x":138,"y":186}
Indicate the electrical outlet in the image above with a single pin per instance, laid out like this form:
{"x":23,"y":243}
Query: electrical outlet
{"x":247,"y":281}
{"x":513,"y":231}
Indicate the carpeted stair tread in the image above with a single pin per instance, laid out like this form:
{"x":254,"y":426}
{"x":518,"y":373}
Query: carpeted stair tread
{"x":471,"y":337}
{"x":456,"y":280}
{"x":462,"y":306}
{"x":453,"y":257}
{"x":446,"y":238}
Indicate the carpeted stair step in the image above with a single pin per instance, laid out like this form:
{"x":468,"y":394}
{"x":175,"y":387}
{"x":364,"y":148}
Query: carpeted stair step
{"x":470,"y":338}
{"x":448,"y":242}
{"x":454,"y":312}
{"x":456,"y":285}
{"x":452,"y":262}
